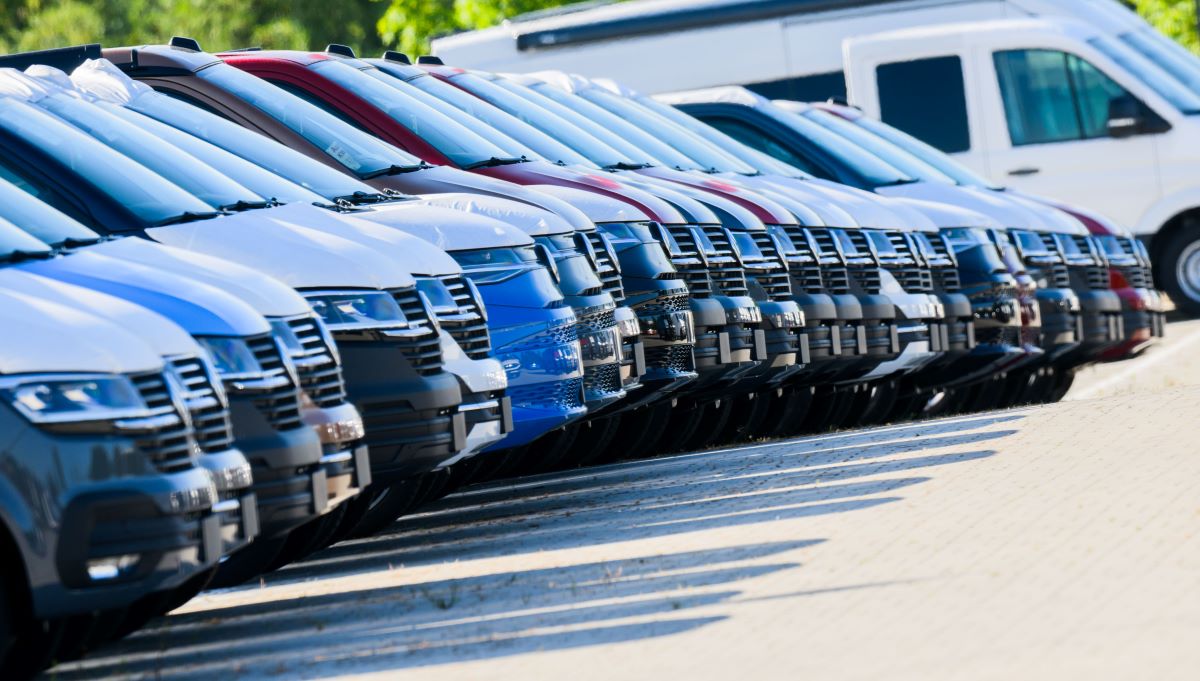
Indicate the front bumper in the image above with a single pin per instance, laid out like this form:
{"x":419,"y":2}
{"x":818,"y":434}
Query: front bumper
{"x":344,"y":456}
{"x":412,"y":420}
{"x":236,"y":505}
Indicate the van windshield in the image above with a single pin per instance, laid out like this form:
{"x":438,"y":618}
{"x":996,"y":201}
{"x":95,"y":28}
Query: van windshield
{"x":454,"y":141}
{"x":873,"y":170}
{"x":594,"y":142}
{"x":358,"y":151}
{"x":934,"y":157}
{"x":647,"y":143}
{"x":762,"y":162}
{"x":1149,"y":73}
{"x":40,"y":219}
{"x":668,"y":132}
{"x":147,"y":196}
{"x":1174,"y":59}
{"x":476,"y":109}
{"x":885,"y":150}
{"x":267,"y":153}
{"x":175,"y":165}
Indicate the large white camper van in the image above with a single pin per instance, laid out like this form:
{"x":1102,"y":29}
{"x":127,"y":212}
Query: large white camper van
{"x":782,"y":49}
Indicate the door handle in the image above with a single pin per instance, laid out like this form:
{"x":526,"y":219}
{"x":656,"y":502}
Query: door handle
{"x":1025,"y":171}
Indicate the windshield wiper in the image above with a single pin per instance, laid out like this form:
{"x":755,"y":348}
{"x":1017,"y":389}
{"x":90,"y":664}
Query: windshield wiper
{"x":243,"y":205}
{"x":359,"y":197}
{"x":493,"y":162}
{"x":75,"y":242}
{"x":897,"y":183}
{"x":396,"y":170}
{"x":187,"y":216}
{"x":621,"y":165}
{"x":21,"y":256}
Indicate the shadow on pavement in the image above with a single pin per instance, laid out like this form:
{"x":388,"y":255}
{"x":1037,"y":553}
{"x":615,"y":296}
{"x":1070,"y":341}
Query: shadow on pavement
{"x":382,"y":625}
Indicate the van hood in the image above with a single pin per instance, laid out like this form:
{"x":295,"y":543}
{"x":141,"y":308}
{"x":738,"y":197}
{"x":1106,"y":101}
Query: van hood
{"x":688,"y":209}
{"x":601,"y":208}
{"x":718,"y":204}
{"x":55,"y":338}
{"x":760,"y":206}
{"x":275,"y":241}
{"x":1096,"y":223}
{"x":1006,"y":212}
{"x":540,"y":174}
{"x":267,"y":295}
{"x":1057,"y":218}
{"x":796,"y":205}
{"x":160,"y":333}
{"x":944,"y":215}
{"x":409,"y":253}
{"x":480,"y":232}
{"x":476,"y":210}
{"x":444,"y":179}
{"x":201,"y":310}
{"x":865,"y":209}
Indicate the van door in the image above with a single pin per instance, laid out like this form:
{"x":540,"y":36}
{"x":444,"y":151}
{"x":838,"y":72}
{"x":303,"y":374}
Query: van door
{"x":1055,"y":137}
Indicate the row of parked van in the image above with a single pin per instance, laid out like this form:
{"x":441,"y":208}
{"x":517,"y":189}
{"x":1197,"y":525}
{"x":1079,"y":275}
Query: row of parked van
{"x":258,"y":302}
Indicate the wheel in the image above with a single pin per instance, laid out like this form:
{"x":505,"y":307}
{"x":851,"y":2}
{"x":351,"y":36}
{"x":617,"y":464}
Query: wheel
{"x":1179,"y":267}
{"x":547,"y":453}
{"x":679,"y":430}
{"x":748,"y":414}
{"x":1063,"y":380}
{"x":594,"y":438}
{"x":713,"y":418}
{"x":786,"y":413}
{"x":389,"y":503}
{"x":248,"y":563}
{"x":309,"y":537}
{"x":639,"y":435}
{"x":877,"y":403}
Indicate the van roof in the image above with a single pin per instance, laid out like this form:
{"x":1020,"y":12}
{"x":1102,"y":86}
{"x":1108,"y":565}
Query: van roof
{"x":592,"y":23}
{"x":958,"y":32}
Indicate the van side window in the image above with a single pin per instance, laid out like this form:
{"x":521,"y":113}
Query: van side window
{"x":754,"y":138}
{"x":927,"y":99}
{"x":188,"y":99}
{"x":818,"y":87}
{"x":1051,"y":96}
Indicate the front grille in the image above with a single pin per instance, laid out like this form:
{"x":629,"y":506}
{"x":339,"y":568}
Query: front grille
{"x":280,"y":406}
{"x":776,"y":282}
{"x":597,"y":321}
{"x":1097,"y":278}
{"x":170,"y":446}
{"x":320,"y":375}
{"x":945,"y":273}
{"x":1136,"y":276}
{"x":912,"y":275}
{"x":566,"y":394}
{"x":423,"y":351}
{"x":689,"y":262}
{"x":605,"y":378}
{"x":728,"y":277}
{"x":210,"y":418}
{"x":607,"y":267}
{"x":805,"y":271}
{"x":834,"y":273}
{"x":665,"y":305}
{"x":468,"y":327}
{"x":670,"y":358}
{"x":1052,"y":266}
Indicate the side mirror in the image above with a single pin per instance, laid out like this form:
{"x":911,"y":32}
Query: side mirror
{"x":1125,"y":117}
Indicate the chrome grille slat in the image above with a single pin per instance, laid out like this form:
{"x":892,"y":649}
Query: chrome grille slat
{"x":210,"y":418}
{"x":281,"y":406}
{"x":728,"y":277}
{"x":171,"y":448}
{"x":423,"y":351}
{"x":608,"y":270}
{"x":320,"y":376}
{"x":472,"y":336}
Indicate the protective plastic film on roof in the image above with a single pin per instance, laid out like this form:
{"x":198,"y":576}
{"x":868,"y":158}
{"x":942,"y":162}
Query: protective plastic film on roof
{"x":99,"y":78}
{"x":49,"y":74}
{"x":17,"y":84}
{"x":529,"y":219}
{"x":728,"y":94}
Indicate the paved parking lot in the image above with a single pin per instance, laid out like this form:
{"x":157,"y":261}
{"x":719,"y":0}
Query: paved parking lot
{"x":1056,"y":542}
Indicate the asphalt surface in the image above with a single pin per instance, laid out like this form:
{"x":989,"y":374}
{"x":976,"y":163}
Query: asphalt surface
{"x":1050,"y":542}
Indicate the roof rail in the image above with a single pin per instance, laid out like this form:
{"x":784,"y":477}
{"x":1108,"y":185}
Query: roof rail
{"x":339,"y":49}
{"x":245,"y":49}
{"x":393,"y":55}
{"x":64,"y":58}
{"x":430,"y":59}
{"x":185,"y":43}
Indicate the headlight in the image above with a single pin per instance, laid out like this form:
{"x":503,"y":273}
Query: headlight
{"x":743,"y":315}
{"x":232,"y":357}
{"x":67,"y":399}
{"x":356,"y":310}
{"x":787,"y":320}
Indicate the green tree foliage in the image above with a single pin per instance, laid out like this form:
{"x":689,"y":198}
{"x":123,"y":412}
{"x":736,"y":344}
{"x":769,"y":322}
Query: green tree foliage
{"x":366,"y":25}
{"x":1175,"y":18}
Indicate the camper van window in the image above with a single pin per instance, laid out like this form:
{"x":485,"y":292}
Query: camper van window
{"x":927,"y":99}
{"x":815,"y":88}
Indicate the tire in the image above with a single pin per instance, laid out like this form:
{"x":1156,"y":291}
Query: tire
{"x":713,"y":418}
{"x":594,"y":438}
{"x":680,"y":429}
{"x":748,"y":415}
{"x":547,"y":453}
{"x":640,"y":434}
{"x":1062,"y":385}
{"x":1178,"y":267}
{"x":309,"y":538}
{"x":248,"y":563}
{"x":389,"y":503}
{"x":877,"y":403}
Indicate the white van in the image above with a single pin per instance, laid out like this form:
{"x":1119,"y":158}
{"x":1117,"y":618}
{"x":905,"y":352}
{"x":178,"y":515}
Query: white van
{"x":782,"y":49}
{"x":1054,"y":107}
